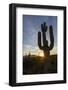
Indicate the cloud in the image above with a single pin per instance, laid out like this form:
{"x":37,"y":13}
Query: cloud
{"x":27,"y":46}
{"x":31,"y":49}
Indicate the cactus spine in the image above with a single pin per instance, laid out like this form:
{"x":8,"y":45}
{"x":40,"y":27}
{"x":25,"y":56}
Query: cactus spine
{"x":42,"y":42}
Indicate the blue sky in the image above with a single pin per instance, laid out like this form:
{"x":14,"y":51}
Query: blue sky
{"x":31,"y":27}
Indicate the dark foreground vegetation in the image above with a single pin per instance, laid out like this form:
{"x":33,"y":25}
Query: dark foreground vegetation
{"x":38,"y":65}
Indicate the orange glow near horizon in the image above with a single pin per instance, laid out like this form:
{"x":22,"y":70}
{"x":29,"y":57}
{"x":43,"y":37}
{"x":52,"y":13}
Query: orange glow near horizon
{"x":41,"y":54}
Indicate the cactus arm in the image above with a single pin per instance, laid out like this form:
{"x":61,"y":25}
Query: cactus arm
{"x":43,"y":38}
{"x":39,"y":41}
{"x":51,"y":37}
{"x":44,"y":29}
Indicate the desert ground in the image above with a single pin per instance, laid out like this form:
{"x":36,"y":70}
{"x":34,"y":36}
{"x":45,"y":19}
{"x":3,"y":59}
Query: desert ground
{"x":39,"y":65}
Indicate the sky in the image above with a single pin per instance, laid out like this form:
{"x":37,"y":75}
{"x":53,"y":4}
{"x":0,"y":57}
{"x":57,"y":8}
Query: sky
{"x":31,"y":27}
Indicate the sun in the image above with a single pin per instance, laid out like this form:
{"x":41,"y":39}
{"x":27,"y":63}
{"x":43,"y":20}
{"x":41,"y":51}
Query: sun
{"x":41,"y":54}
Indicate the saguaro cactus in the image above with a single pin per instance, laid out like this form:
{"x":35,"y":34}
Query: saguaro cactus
{"x":42,"y":42}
